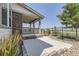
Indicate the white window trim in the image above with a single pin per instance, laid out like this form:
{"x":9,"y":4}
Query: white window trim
{"x":11,"y":14}
{"x":7,"y":14}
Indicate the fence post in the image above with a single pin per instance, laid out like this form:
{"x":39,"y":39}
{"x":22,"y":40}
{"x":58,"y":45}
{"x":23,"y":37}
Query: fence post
{"x":62,"y":34}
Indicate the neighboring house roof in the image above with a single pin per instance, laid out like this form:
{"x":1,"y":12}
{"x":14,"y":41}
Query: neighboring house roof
{"x":29,"y":15}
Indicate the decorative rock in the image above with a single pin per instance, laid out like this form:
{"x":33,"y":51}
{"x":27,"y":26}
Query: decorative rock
{"x":54,"y":53}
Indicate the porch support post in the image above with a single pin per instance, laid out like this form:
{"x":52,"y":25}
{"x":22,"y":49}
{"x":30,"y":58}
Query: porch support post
{"x":30,"y":27}
{"x":39,"y":26}
{"x":33,"y":27}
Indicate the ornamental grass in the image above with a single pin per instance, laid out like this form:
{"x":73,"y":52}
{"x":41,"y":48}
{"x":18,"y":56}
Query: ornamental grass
{"x":11,"y":46}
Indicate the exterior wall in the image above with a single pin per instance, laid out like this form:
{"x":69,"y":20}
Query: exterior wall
{"x":4,"y":33}
{"x":16,"y":22}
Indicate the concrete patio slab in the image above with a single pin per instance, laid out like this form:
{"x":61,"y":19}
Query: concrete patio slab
{"x":43,"y":45}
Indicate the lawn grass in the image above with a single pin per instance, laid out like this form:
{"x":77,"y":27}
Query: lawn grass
{"x":68,"y":34}
{"x":71,"y":34}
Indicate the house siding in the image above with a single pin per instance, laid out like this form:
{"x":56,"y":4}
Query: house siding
{"x":4,"y":33}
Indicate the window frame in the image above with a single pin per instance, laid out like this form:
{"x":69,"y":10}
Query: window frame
{"x":8,"y":15}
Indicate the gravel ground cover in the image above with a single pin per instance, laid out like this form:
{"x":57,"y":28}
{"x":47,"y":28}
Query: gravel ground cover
{"x":73,"y":51}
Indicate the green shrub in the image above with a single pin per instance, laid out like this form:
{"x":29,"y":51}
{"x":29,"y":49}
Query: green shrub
{"x":47,"y":32}
{"x":61,"y":36}
{"x":67,"y":35}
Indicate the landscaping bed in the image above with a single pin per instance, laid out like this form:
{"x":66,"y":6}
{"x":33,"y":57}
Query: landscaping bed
{"x":73,"y":51}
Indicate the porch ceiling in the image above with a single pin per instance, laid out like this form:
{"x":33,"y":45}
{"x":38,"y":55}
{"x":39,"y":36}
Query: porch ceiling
{"x":29,"y":14}
{"x":27,"y":19}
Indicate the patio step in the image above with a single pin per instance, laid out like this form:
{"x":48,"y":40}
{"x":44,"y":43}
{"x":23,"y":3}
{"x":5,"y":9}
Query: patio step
{"x":31,"y":36}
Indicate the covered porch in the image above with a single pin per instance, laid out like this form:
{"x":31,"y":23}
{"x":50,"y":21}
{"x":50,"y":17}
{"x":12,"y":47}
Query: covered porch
{"x":24,"y":14}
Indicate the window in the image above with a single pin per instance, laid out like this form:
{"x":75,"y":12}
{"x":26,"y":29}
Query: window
{"x":4,"y":16}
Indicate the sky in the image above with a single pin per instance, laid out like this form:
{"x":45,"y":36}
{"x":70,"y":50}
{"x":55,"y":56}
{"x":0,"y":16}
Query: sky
{"x":50,"y":11}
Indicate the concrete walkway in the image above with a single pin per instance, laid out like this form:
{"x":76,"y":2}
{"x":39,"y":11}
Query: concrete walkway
{"x":43,"y":45}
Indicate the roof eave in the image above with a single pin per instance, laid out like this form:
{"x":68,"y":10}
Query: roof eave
{"x":33,"y":11}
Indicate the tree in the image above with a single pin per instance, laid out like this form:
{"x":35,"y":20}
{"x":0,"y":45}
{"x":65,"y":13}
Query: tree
{"x":70,"y":16}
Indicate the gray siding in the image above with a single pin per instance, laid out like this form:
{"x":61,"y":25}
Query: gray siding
{"x":0,"y":14}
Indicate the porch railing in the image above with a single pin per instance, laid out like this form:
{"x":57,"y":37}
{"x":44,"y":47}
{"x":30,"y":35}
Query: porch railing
{"x":27,"y":30}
